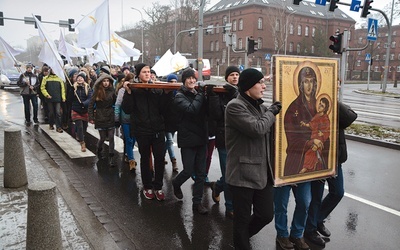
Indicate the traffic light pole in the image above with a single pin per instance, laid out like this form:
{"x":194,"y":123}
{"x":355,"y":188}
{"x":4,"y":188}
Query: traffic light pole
{"x":343,"y":63}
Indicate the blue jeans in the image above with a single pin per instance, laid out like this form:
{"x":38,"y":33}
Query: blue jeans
{"x":321,"y":208}
{"x":27,"y":107}
{"x":221,"y":185}
{"x":129,"y":141}
{"x":169,"y":144}
{"x":302,"y":195}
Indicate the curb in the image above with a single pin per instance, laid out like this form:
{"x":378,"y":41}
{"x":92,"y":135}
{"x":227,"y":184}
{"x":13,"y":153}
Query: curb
{"x":392,"y":95}
{"x":390,"y":145}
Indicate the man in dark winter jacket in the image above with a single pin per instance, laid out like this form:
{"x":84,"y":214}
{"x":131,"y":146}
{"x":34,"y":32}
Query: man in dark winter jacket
{"x":217,"y":104}
{"x":28,"y":84}
{"x":192,"y":138}
{"x":321,"y":208}
{"x":146,"y":107}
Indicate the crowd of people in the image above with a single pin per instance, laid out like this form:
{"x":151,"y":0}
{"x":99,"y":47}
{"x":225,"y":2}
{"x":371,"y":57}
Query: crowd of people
{"x":234,"y":121}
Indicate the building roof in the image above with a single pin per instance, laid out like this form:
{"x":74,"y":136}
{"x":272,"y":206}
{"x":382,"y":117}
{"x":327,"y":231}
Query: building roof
{"x":305,"y":8}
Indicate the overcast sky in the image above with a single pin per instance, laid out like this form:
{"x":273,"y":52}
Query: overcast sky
{"x":16,"y":32}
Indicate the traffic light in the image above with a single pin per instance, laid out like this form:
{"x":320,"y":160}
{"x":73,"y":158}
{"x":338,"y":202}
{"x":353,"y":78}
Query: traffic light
{"x":296,"y":2}
{"x":70,"y":23}
{"x":333,"y":5}
{"x":336,"y":46}
{"x":1,"y":19}
{"x":252,"y":46}
{"x":38,"y":18}
{"x":366,"y":7}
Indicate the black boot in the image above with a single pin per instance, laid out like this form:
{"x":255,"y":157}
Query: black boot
{"x":99,"y":153}
{"x":112,"y":160}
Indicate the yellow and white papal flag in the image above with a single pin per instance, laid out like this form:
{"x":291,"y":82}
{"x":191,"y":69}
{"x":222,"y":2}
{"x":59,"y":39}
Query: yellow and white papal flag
{"x":7,"y":53}
{"x":94,"y":27}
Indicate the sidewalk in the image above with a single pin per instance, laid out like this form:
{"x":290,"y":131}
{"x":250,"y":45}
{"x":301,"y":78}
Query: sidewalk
{"x":90,"y":234}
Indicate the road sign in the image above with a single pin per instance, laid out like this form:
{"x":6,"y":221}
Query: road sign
{"x":241,"y":67}
{"x":355,"y":5}
{"x":367,"y":57}
{"x":372,"y":31}
{"x":320,"y":2}
{"x":268,"y":57}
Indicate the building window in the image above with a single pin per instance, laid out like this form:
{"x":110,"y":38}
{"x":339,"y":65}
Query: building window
{"x":360,"y":40}
{"x":391,"y":57}
{"x":394,"y":33}
{"x":224,"y":20}
{"x":398,"y":57}
{"x":306,"y":31}
{"x":394,"y":44}
{"x":211,"y":46}
{"x":358,"y":53}
{"x":278,"y":25}
{"x":234,"y":24}
{"x":378,"y":45}
{"x":291,"y":29}
{"x":398,"y":68}
{"x":216,"y":46}
{"x":312,"y":49}
{"x":260,"y":23}
{"x":240,"y":43}
{"x":258,"y":62}
{"x":377,"y":57}
{"x":376,"y":69}
{"x":217,"y":28}
{"x":384,"y":57}
{"x":313,"y":32}
{"x":240,"y":61}
{"x":291,"y":47}
{"x":299,"y":30}
{"x":358,"y":63}
{"x":298,"y":48}
{"x":259,"y":43}
{"x":240,"y":24}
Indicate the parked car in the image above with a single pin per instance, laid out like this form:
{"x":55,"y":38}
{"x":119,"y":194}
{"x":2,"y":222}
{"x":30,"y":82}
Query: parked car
{"x":9,"y":78}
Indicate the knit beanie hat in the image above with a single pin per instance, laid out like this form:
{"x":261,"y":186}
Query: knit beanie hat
{"x":82,"y":74}
{"x":72,"y":72}
{"x":171,"y":77}
{"x":139,"y":67}
{"x":186,"y":74}
{"x":230,"y":70}
{"x":105,"y":69}
{"x":248,"y":78}
{"x":124,"y":68}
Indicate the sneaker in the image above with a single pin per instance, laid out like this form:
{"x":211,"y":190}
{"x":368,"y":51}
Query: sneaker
{"x":199,"y":208}
{"x":59,"y":130}
{"x":177,"y":191}
{"x":160,"y":195}
{"x":148,"y":194}
{"x":323,"y":230}
{"x":51,"y":127}
{"x":284,"y":242}
{"x":214,"y":194}
{"x":314,"y":238}
{"x":299,"y":243}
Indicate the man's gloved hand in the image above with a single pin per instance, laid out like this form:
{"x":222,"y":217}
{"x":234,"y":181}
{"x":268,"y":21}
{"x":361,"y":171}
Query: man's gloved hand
{"x":275,"y":108}
{"x":210,"y":89}
{"x":201,"y":87}
{"x":117,"y":124}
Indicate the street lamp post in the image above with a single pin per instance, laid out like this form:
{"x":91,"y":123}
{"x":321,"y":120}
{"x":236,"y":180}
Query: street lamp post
{"x":142,"y":30}
{"x":286,"y":31}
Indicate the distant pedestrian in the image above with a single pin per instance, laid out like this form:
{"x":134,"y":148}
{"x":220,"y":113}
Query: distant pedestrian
{"x":28,"y":83}
{"x":43,"y":102}
{"x":101,"y":113}
{"x":53,"y":89}
{"x":321,"y":208}
{"x":192,"y":138}
{"x":248,"y":131}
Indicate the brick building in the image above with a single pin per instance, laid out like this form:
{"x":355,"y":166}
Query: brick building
{"x":357,"y":65}
{"x":278,"y":26}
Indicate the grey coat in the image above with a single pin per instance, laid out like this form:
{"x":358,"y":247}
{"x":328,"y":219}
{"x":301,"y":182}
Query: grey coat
{"x":247,"y":138}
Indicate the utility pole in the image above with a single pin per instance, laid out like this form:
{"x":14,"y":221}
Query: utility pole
{"x":200,"y":63}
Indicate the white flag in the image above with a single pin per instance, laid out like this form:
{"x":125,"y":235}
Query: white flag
{"x":49,"y":53}
{"x":120,"y":49}
{"x":94,"y":27}
{"x":170,"y":63}
{"x":7,"y":53}
{"x":69,"y":50}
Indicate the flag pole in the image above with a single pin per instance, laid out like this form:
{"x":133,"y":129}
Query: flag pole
{"x":109,"y":33}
